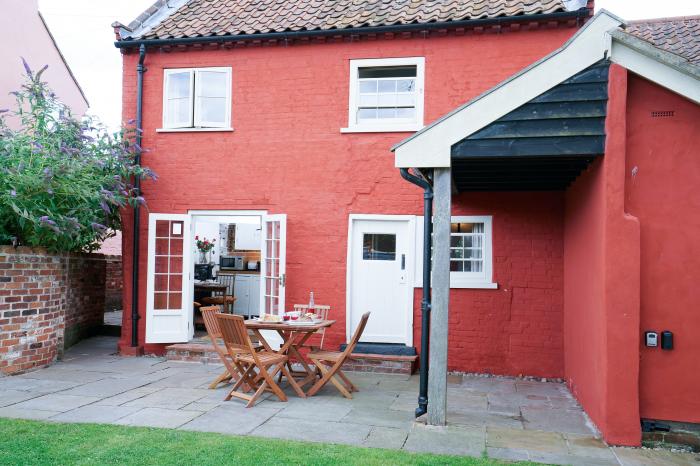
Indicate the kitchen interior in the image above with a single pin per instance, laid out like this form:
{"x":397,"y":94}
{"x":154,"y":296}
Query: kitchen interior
{"x":228,"y":274}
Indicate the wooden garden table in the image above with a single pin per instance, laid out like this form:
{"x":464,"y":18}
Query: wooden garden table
{"x":293,"y":336}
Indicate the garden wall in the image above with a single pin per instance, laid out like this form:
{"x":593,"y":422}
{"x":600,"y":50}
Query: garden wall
{"x":114,"y":281}
{"x":48,"y":302}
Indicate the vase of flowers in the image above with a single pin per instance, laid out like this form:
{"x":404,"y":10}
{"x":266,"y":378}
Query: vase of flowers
{"x":204,"y":246}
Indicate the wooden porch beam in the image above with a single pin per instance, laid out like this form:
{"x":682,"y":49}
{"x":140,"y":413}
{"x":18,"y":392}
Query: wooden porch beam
{"x":437,"y":379}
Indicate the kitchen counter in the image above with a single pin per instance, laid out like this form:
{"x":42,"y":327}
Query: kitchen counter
{"x":238,"y":272}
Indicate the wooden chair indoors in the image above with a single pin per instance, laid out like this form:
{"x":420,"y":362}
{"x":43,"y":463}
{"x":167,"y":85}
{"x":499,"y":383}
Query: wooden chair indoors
{"x":329,"y":363}
{"x":256,"y":368}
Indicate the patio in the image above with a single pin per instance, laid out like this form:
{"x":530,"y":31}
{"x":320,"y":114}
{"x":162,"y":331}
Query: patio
{"x":508,"y":418}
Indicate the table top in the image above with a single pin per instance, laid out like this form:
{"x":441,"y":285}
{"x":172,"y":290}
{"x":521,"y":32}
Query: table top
{"x":289,"y":325}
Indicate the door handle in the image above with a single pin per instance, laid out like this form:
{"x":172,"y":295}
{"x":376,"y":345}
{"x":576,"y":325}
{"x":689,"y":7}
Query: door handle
{"x":403,"y":261}
{"x":282,"y":279}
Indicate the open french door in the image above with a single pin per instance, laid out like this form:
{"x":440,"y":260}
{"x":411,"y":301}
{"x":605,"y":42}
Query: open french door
{"x":273,"y":267}
{"x":168,"y":304}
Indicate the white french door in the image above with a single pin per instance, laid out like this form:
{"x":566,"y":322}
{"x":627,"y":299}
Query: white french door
{"x":273,"y":267}
{"x":168,"y":304}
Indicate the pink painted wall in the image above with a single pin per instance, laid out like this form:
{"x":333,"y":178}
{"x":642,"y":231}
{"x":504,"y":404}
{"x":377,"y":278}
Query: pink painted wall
{"x":602,"y":285}
{"x":664,"y":196}
{"x":24,"y":34}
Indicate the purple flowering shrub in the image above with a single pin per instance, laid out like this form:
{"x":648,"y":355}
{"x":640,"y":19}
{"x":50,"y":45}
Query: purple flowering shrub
{"x":63,"y":181}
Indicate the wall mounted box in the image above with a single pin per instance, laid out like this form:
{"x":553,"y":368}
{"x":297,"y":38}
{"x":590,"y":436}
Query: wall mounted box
{"x":651,"y":339}
{"x":667,"y":340}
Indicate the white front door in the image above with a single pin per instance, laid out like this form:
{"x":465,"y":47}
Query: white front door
{"x":380,"y":267}
{"x":168,"y":304}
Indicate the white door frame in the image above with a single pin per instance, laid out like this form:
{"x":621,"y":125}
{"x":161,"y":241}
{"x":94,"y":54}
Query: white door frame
{"x":410,"y":269}
{"x":214,"y":213}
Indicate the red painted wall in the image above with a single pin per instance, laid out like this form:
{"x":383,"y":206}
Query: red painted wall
{"x":287,"y":155}
{"x":602,"y":286}
{"x":663,"y":195}
{"x":516,"y":329}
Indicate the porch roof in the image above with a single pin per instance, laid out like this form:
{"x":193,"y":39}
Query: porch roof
{"x":543,"y":144}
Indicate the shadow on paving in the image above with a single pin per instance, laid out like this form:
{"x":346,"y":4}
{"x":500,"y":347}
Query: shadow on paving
{"x":508,"y":418}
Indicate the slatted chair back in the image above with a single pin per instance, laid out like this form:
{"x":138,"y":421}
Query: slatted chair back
{"x":322,"y":311}
{"x":228,"y":280}
{"x":210,"y":323}
{"x":235,"y":334}
{"x":356,"y":336}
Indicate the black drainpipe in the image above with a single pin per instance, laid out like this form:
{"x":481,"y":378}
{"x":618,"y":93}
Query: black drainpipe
{"x":425,"y":302}
{"x":140,"y":69}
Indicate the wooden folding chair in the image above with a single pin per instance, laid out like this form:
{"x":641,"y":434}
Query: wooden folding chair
{"x":321,"y":311}
{"x":329,"y":363}
{"x":257,"y":368}
{"x":209,"y":314}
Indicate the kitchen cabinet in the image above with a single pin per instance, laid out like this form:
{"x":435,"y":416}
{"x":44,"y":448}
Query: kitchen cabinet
{"x":247,"y":237}
{"x":246,"y":289}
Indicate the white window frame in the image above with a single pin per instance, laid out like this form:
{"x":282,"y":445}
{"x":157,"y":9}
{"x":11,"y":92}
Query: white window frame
{"x":483,"y":279}
{"x":381,"y":126}
{"x":457,"y":280}
{"x":195,"y":122}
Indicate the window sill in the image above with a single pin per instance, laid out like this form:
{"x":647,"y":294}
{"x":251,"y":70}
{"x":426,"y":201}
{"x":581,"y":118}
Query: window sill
{"x":474,"y":285}
{"x":192,"y":130}
{"x":382,"y":129}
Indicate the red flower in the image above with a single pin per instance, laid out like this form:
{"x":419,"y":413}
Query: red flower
{"x":196,"y":237}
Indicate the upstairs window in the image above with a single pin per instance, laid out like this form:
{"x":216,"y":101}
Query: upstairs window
{"x":386,"y":95}
{"x":197,"y":98}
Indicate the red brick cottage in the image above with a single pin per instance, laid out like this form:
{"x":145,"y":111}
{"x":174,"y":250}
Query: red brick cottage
{"x":269,"y":125}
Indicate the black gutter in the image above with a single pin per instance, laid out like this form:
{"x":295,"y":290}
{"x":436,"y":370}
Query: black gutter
{"x":140,"y":69}
{"x":426,"y":300}
{"x":580,"y":14}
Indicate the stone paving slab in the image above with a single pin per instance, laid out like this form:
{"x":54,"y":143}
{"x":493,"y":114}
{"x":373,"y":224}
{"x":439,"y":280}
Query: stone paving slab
{"x":35,"y":385}
{"x":555,"y":420}
{"x":127,"y":396}
{"x":159,"y":417}
{"x":95,"y":414}
{"x":535,"y":441}
{"x":56,"y":402}
{"x":106,"y":387}
{"x":446,"y":440}
{"x":313,"y":431}
{"x":379,"y":417}
{"x":170,"y":398}
{"x":231,"y":419}
{"x":386,"y":437}
{"x":26,"y":413}
{"x":10,"y":397}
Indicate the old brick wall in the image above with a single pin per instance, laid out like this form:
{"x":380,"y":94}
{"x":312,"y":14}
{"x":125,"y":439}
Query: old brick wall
{"x":47,"y":302}
{"x":85,"y":296}
{"x":114,"y":281}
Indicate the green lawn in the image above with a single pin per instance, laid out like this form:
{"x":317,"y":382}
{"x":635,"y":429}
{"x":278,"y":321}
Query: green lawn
{"x":46,"y":443}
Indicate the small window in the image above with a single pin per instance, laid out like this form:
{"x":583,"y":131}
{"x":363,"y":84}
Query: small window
{"x":470,"y":251}
{"x":386,"y":95}
{"x":378,"y":247}
{"x":197,"y":98}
